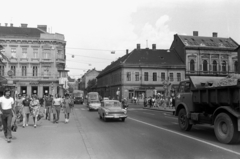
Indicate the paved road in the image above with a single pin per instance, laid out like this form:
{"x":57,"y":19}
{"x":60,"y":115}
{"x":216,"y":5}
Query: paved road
{"x":146,"y":134}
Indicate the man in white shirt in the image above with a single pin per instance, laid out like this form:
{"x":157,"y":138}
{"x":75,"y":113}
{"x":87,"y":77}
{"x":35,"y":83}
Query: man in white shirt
{"x":6,"y":107}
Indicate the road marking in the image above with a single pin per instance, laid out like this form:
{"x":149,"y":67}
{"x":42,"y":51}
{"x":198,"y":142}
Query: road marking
{"x":174,"y":132}
{"x":149,"y":113}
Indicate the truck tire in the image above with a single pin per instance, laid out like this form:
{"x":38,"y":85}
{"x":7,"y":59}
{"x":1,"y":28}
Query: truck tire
{"x":183,"y":121}
{"x":225,"y":128}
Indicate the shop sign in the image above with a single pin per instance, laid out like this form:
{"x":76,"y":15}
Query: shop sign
{"x":148,"y":87}
{"x":33,"y":83}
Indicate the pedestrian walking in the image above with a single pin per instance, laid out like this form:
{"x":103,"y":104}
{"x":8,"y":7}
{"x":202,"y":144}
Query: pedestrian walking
{"x":6,"y":108}
{"x":18,"y":105}
{"x":26,"y":110}
{"x":48,"y":106}
{"x":66,"y":107}
{"x":57,"y":102}
{"x":34,"y":106}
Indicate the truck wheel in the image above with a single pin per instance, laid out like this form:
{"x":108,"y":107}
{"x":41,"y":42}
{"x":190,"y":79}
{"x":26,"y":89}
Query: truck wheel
{"x":183,"y":121}
{"x":225,"y":128}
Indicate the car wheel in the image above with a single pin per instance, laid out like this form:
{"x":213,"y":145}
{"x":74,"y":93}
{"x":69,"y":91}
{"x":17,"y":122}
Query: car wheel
{"x":123,"y":119}
{"x":225,"y":128}
{"x":89,"y":109}
{"x":183,"y":121}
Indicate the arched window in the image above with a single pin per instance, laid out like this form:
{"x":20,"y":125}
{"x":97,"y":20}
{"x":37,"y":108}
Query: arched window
{"x":214,"y":65}
{"x":192,"y":66}
{"x":236,"y":66}
{"x":205,"y":66}
{"x":224,"y":66}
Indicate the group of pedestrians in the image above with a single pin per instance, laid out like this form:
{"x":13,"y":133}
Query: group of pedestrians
{"x":26,"y":106}
{"x":159,"y":101}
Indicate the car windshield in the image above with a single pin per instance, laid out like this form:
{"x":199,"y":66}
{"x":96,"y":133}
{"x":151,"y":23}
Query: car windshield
{"x":93,"y":97}
{"x":112,"y":104}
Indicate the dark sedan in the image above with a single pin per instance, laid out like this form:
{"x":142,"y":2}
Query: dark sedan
{"x":78,"y":100}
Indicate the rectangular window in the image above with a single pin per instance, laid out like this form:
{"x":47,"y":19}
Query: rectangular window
{"x":136,"y":76}
{"x":46,"y":72}
{"x":154,"y":76}
{"x":13,"y":52}
{"x":163,"y":76}
{"x":46,"y":53}
{"x":60,"y":54}
{"x":178,"y":77}
{"x":35,"y":71}
{"x":171,"y":76}
{"x":13,"y":68}
{"x":145,"y":76}
{"x":24,"y":52}
{"x":24,"y":70}
{"x":35,"y":53}
{"x":128,"y":76}
{"x":1,"y":70}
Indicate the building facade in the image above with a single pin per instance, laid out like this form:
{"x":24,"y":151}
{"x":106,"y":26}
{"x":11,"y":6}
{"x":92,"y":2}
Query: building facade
{"x":89,"y":75}
{"x":141,"y":73}
{"x":206,"y":56}
{"x":36,"y":59}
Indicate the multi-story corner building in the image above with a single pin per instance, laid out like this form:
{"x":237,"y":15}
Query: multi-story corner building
{"x":141,"y":73}
{"x":89,"y":75}
{"x":36,"y":59}
{"x":206,"y":56}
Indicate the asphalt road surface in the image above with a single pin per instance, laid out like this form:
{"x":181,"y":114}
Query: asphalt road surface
{"x":145,"y":134}
{"x":150,"y":134}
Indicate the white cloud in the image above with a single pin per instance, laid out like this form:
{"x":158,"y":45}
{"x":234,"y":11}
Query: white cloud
{"x":159,"y":34}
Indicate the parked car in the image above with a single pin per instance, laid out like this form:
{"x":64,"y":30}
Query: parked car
{"x":78,"y":100}
{"x":93,"y":105}
{"x":112,"y":109}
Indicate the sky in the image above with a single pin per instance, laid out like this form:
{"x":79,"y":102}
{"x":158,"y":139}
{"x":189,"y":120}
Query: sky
{"x":93,"y":29}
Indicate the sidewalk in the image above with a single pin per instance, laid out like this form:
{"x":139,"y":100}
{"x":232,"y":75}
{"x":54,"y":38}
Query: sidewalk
{"x":140,"y":105}
{"x":46,"y":141}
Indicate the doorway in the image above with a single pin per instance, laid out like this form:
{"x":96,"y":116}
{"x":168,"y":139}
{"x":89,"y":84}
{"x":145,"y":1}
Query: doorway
{"x":45,"y":91}
{"x":24,"y":90}
{"x":34,"y":90}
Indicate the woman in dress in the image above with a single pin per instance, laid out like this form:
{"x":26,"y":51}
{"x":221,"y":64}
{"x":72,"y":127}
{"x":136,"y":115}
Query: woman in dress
{"x":66,"y":107}
{"x":34,"y":105}
{"x":26,"y":110}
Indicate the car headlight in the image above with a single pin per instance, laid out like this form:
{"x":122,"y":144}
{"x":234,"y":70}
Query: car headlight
{"x":106,"y":113}
{"x":125,"y":112}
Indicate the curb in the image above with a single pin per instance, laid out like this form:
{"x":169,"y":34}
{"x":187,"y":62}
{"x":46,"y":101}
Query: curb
{"x":161,"y":110}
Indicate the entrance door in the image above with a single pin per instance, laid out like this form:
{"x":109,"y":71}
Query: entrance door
{"x":45,"y":90}
{"x":24,"y":90}
{"x":34,"y":90}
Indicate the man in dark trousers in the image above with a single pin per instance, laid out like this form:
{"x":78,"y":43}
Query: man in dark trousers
{"x":48,"y":106}
{"x":6,"y":107}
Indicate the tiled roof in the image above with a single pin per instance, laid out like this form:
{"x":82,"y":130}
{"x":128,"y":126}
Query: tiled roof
{"x":147,"y":58}
{"x":20,"y":31}
{"x":213,"y":42}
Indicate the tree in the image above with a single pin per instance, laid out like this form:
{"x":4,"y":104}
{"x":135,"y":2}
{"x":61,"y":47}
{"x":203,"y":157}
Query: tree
{"x":91,"y":84}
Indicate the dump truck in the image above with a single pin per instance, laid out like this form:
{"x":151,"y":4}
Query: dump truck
{"x":200,"y":101}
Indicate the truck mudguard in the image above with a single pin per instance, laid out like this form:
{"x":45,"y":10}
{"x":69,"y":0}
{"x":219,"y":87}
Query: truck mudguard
{"x":228,"y":109}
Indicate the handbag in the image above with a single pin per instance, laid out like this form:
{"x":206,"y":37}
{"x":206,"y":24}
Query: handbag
{"x":14,"y":127}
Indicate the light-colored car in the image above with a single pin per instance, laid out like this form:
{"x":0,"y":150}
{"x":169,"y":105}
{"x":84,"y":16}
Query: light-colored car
{"x":112,"y":109}
{"x":94,"y":105}
{"x":105,"y":98}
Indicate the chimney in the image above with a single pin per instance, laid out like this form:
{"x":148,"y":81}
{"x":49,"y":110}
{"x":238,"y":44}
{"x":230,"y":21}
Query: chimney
{"x":24,"y":25}
{"x":214,"y":34}
{"x":126,"y":51}
{"x":195,"y":33}
{"x":11,"y":24}
{"x":138,"y":46}
{"x":6,"y":24}
{"x":154,"y":46}
{"x":42,"y":27}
